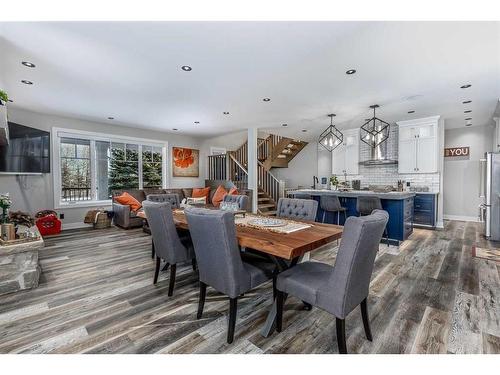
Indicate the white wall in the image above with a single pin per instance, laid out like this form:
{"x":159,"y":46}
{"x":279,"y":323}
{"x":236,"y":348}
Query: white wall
{"x":461,"y":175}
{"x":34,"y":193}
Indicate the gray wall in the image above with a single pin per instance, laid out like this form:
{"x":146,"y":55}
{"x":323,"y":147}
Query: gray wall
{"x":461,"y":176}
{"x":34,"y":193}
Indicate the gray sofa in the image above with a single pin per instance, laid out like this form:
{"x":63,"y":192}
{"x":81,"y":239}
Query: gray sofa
{"x":125,"y":218}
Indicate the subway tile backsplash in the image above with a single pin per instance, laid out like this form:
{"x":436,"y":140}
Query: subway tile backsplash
{"x":388,"y":174}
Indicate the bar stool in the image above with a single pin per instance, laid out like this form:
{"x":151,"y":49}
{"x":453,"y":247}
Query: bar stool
{"x":331,"y":203}
{"x":365,"y":207}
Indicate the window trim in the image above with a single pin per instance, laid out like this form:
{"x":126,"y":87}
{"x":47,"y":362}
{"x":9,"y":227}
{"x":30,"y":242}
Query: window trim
{"x":58,"y":133}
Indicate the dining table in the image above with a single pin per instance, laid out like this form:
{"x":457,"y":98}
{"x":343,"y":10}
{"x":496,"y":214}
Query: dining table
{"x":285,"y":249}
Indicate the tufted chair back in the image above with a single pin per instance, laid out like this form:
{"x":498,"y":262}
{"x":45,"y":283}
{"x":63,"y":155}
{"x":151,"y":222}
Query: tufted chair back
{"x":173,"y":199}
{"x":300,"y":209}
{"x":242,"y":200}
{"x":366,"y":205}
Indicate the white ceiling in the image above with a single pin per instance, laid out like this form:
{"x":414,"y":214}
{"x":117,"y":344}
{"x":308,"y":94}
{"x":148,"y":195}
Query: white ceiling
{"x":131,"y":71}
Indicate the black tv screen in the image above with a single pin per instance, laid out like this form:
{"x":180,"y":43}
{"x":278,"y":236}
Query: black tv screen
{"x":28,"y":150}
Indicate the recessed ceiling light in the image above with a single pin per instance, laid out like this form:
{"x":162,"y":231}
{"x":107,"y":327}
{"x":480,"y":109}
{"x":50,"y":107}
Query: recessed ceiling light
{"x":411,"y":111}
{"x":351,"y":71}
{"x":111,"y":118}
{"x":468,"y":111}
{"x":10,"y":100}
{"x":266,"y":100}
{"x":225,"y":113}
{"x":284,"y":124}
{"x":465,"y":86}
{"x":196,"y":122}
{"x":468,"y":119}
{"x":186,"y":68}
{"x":28,"y":64}
{"x":467,"y":102}
{"x":26,"y":82}
{"x":304,"y":130}
{"x":175,"y":129}
{"x":468,"y":124}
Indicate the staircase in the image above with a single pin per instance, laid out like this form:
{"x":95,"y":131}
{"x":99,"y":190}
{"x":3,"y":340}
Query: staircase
{"x":272,"y":152}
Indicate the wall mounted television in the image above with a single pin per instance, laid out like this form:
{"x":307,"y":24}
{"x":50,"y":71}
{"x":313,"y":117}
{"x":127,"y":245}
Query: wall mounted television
{"x":27,"y":152}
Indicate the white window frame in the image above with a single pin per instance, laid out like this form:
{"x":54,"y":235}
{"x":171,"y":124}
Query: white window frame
{"x":58,"y":133}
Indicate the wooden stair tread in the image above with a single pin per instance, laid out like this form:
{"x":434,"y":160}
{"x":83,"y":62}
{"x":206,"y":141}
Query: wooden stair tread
{"x":268,"y":213}
{"x":267,"y":205}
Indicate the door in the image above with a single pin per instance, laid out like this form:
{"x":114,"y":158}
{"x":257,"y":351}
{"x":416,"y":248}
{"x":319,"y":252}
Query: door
{"x":338,"y":160}
{"x":407,"y":156}
{"x":426,"y":155}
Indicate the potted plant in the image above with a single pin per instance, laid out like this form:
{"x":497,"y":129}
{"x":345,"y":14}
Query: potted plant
{"x":334,"y":181}
{"x":5,"y":203}
{"x":4,"y":98}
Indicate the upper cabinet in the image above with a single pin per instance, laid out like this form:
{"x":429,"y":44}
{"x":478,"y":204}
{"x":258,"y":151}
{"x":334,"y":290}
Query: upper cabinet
{"x":418,"y":145}
{"x":345,"y":158}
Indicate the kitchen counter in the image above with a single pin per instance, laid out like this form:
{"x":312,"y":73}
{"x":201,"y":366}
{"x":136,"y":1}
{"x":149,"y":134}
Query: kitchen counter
{"x":393,"y":195}
{"x":399,"y":205}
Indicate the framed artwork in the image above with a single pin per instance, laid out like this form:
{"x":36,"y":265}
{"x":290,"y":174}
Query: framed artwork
{"x":185,"y":162}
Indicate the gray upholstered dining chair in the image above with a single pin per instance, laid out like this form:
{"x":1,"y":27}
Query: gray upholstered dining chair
{"x":331,"y":203}
{"x":171,"y":198}
{"x":366,"y":205}
{"x":168,"y":245}
{"x":301,"y":209}
{"x":219,"y":261}
{"x":242,"y":200}
{"x":341,"y":288}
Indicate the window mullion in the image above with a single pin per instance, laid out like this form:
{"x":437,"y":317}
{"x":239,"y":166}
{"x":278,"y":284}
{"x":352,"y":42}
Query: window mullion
{"x":141,"y":183}
{"x":93,"y":170}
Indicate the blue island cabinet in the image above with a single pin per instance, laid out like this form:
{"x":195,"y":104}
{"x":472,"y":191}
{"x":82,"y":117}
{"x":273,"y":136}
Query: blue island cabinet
{"x":400,"y":224}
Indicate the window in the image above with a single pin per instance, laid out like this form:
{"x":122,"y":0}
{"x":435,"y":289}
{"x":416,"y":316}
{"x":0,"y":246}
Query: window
{"x":89,"y":167}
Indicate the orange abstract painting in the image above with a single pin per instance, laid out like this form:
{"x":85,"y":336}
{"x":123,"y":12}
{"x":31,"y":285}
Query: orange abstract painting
{"x":185,"y":162}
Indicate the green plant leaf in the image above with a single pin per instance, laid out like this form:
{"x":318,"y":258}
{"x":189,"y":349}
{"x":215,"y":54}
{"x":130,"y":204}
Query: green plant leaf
{"x":3,"y":96}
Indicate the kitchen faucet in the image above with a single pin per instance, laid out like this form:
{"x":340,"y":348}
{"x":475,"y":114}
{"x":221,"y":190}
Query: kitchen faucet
{"x":315,"y":180}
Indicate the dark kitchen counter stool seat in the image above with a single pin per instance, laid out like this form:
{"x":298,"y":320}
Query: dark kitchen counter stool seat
{"x":219,"y":261}
{"x":366,"y":205}
{"x":341,"y":288}
{"x":167,"y":243}
{"x":331,"y":203}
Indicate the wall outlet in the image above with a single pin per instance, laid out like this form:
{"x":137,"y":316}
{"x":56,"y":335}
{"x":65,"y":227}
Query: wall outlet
{"x":61,"y":216}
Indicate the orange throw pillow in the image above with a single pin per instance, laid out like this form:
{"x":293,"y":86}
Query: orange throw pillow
{"x":201,"y":193}
{"x":233,"y":191}
{"x":128,"y":200}
{"x":219,"y":196}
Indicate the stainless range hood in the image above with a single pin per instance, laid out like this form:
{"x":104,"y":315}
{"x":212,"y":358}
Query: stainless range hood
{"x":379,"y":156}
{"x":4,"y":127}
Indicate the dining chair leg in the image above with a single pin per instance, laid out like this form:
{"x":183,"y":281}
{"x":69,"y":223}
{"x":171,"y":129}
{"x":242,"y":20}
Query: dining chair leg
{"x":201,"y":301}
{"x":194,"y":264}
{"x":157,"y":270}
{"x":152,"y":249}
{"x":366,"y":320}
{"x":233,"y":307}
{"x":340,"y":324}
{"x":280,"y":299}
{"x":386,"y":234}
{"x":171,"y":284}
{"x":324,"y":213}
{"x":275,"y":277}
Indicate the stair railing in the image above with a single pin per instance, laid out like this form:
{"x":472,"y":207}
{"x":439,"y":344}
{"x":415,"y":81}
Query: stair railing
{"x":238,"y":174}
{"x":218,"y":167}
{"x":269,"y":184}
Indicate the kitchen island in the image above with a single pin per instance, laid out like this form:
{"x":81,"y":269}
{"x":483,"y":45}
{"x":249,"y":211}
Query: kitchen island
{"x":399,"y":205}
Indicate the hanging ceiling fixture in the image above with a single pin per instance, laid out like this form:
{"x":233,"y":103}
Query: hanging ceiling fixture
{"x":374,"y":131}
{"x":331,"y":138}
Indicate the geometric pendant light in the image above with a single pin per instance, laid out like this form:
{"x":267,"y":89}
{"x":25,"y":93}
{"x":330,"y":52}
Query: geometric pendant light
{"x":374,"y":131}
{"x":331,"y":138}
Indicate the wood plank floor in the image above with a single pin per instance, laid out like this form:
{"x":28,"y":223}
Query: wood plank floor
{"x":96,"y":296}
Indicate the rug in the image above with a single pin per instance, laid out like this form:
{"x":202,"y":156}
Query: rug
{"x":484,"y":253}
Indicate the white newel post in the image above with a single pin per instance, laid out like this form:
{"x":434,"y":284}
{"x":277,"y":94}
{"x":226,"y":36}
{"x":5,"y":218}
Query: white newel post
{"x":252,"y":167}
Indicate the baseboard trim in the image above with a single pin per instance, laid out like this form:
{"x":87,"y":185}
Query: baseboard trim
{"x":69,"y":226}
{"x":461,"y":218}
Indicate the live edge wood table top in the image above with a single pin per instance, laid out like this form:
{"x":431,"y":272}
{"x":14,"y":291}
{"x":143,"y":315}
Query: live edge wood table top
{"x":286,"y":246}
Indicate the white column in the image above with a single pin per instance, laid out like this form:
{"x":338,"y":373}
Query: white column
{"x":440,"y":150}
{"x":252,"y":166}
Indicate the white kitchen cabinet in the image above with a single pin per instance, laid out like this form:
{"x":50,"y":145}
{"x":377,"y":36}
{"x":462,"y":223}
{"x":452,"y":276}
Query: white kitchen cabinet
{"x":418,"y":146}
{"x":345,"y":158}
